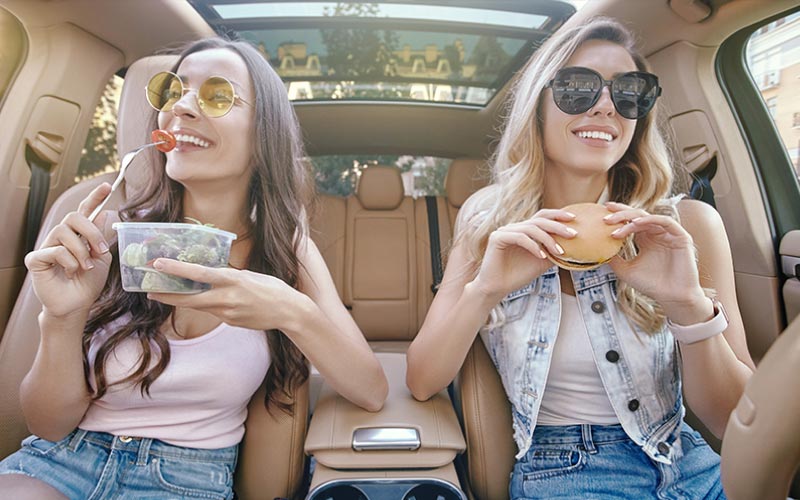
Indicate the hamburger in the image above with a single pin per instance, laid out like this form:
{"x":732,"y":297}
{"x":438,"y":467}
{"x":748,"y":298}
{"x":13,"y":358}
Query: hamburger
{"x":593,"y":246}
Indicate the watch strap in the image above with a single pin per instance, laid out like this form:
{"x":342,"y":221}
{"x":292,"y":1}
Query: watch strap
{"x":690,"y":334}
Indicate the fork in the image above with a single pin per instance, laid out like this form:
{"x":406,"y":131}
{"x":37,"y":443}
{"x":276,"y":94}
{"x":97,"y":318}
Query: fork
{"x":126,"y":160}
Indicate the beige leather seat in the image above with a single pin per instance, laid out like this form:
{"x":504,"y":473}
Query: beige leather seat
{"x":380,"y":238}
{"x":464,"y":177}
{"x":386,"y":285}
{"x":271,"y":461}
{"x":486,"y":419}
{"x":479,"y":395}
{"x":386,"y":260}
{"x":382,"y":266}
{"x":380,"y":284}
{"x":328,"y":232}
{"x":423,"y":246}
{"x":376,"y":244}
{"x":761,"y":449}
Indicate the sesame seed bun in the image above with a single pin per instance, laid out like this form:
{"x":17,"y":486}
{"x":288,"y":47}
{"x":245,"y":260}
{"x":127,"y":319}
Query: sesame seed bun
{"x":593,"y":246}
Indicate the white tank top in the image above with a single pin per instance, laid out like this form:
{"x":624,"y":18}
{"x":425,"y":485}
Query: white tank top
{"x":574,"y":393}
{"x":199,"y":401}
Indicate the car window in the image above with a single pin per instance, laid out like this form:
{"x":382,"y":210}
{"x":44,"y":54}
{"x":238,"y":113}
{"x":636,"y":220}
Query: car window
{"x":422,"y":175}
{"x":13,"y":45}
{"x":773,"y":59}
{"x":99,"y":154}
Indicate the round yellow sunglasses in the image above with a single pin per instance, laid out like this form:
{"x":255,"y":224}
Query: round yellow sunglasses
{"x":215,"y":96}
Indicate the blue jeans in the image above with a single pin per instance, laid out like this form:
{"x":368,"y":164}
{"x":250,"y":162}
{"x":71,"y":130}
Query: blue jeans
{"x":94,"y":465}
{"x":602,"y":462}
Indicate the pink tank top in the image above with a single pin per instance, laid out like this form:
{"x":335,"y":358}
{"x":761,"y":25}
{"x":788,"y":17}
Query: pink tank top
{"x":199,"y":401}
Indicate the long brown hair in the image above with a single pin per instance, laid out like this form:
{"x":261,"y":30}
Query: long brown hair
{"x":280,"y":189}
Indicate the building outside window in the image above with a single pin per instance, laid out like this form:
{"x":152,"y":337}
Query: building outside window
{"x":773,"y":57}
{"x":772,"y":106}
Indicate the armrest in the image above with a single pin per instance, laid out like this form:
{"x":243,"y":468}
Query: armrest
{"x":338,"y":427}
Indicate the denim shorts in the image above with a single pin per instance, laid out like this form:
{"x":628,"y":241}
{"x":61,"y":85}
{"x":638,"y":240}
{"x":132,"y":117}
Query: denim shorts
{"x":94,"y":465}
{"x":602,"y":462}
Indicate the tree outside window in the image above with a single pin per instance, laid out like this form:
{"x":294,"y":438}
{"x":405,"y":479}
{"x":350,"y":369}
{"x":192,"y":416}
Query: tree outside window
{"x":99,"y":153}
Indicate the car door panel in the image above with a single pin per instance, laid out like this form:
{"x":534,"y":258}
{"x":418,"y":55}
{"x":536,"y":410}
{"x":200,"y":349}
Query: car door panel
{"x":50,"y":99}
{"x":702,"y":124}
{"x":790,"y":261}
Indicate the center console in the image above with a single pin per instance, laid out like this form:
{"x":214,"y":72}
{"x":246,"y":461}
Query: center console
{"x":405,"y":451}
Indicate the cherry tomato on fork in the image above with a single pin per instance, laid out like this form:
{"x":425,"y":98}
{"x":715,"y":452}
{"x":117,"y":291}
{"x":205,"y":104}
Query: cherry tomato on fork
{"x":167,"y":138}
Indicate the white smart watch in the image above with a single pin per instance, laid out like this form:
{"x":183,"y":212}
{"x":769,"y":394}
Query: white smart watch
{"x":690,"y":334}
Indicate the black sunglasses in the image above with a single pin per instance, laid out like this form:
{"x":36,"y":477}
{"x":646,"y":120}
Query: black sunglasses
{"x":576,"y":90}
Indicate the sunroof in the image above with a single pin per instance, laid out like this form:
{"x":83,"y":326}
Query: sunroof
{"x":398,"y":11}
{"x":443,"y":54}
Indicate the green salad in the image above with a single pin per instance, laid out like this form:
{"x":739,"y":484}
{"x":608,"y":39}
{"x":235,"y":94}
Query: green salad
{"x":196,"y":246}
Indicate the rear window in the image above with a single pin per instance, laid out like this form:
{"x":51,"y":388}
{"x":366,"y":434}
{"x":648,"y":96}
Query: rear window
{"x":99,"y":154}
{"x":337,"y":175}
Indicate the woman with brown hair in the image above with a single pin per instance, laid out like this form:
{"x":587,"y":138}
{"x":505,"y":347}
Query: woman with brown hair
{"x":135,"y":395}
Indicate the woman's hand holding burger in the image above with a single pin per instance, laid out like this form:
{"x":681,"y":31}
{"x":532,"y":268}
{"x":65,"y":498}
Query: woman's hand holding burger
{"x":592,"y":244}
{"x":665,"y":268}
{"x":586,"y":235}
{"x":517,"y":253}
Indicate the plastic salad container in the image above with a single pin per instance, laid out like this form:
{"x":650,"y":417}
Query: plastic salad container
{"x":141,"y":243}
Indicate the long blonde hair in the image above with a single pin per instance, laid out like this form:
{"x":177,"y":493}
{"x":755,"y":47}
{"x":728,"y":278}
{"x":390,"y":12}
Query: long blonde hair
{"x":642,"y":178}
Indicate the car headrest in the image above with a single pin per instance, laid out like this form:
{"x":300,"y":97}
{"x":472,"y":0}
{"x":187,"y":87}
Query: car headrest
{"x":133,"y":122}
{"x":464,"y":177}
{"x":380,"y":187}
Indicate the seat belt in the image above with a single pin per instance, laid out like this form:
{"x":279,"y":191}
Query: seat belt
{"x":433,"y":234}
{"x":37,"y":194}
{"x":701,"y":182}
{"x":436,"y":260}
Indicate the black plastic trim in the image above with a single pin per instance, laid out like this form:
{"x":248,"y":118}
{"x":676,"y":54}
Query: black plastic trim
{"x":778,"y":182}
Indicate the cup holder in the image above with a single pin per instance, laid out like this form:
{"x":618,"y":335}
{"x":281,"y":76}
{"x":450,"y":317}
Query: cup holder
{"x":387,"y":489}
{"x":437,"y":491}
{"x":339,"y":492}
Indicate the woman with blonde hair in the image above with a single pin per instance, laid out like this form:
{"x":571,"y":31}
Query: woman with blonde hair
{"x":594,"y":362}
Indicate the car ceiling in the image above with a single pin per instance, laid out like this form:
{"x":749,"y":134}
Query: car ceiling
{"x":447,"y":131}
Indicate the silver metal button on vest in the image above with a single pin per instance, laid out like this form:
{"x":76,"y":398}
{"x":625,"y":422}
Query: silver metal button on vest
{"x":533,"y":393}
{"x":633,"y":404}
{"x":598,"y":306}
{"x":663,"y":448}
{"x":542,"y":344}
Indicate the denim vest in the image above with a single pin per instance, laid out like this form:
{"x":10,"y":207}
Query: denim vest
{"x":640,"y":371}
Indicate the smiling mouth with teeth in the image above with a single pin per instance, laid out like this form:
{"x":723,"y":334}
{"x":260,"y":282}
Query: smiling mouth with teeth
{"x":196,"y":141}
{"x":595,"y":134}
